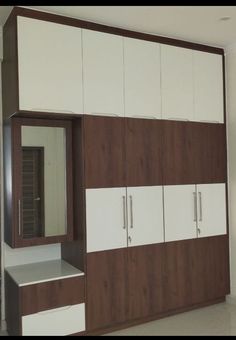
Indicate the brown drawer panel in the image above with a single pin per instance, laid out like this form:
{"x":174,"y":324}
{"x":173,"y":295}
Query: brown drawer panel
{"x":53,"y":294}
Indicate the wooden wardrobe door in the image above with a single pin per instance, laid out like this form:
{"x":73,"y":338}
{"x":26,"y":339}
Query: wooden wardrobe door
{"x":145,"y":281}
{"x":104,"y":152}
{"x":106,"y":288}
{"x":143,"y":152}
{"x":179,"y":153}
{"x":211,"y":157}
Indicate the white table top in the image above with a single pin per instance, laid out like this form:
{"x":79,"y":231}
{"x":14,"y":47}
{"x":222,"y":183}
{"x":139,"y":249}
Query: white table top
{"x":33,"y":273}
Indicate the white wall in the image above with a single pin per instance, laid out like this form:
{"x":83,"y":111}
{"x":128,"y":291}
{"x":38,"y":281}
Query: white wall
{"x":231,"y":127}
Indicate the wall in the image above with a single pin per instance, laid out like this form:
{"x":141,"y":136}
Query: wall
{"x":231,"y":126}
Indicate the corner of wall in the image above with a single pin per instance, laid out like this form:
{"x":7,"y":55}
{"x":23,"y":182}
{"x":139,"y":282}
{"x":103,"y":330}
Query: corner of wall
{"x":1,"y":44}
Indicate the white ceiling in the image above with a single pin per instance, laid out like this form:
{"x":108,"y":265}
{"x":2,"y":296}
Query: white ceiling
{"x":193,"y":23}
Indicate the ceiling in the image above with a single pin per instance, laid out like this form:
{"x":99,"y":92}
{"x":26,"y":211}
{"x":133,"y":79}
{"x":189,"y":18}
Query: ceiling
{"x":193,"y":23}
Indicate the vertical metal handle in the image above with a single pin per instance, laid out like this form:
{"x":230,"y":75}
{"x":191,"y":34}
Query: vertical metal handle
{"x":131,"y":212}
{"x":124,"y":214}
{"x":19,"y":216}
{"x":200,"y":205}
{"x":195,"y":206}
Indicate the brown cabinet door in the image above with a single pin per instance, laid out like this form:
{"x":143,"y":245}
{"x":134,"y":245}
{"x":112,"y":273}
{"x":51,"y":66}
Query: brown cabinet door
{"x":193,"y":153}
{"x":143,"y":152}
{"x":145,"y":281}
{"x":104,"y":152}
{"x":179,"y":153}
{"x":211,"y":158}
{"x":195,"y":271}
{"x":106,"y":288}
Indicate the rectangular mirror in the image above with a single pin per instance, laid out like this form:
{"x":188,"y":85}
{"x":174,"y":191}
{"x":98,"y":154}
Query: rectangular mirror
{"x":43,"y":181}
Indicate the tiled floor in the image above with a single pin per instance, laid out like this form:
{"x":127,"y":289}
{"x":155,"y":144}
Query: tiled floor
{"x":218,"y":319}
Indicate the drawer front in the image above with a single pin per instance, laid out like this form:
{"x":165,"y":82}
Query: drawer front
{"x":60,"y":321}
{"x":52,"y":294}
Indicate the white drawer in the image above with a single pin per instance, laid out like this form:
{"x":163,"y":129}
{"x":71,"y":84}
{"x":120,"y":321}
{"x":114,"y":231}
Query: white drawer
{"x":59,"y":321}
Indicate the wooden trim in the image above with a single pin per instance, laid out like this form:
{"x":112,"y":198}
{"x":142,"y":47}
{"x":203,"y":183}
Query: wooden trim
{"x":155,"y":317}
{"x":17,"y":240}
{"x":13,"y":306}
{"x":60,"y":19}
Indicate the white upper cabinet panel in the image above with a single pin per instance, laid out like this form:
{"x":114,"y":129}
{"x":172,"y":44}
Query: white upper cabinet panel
{"x":145,"y":215}
{"x":180,"y":212}
{"x":211,"y":209}
{"x":103,"y":73}
{"x":106,"y":219}
{"x":177,"y":83}
{"x":50,"y":66}
{"x":208,"y":87}
{"x":142,"y":78}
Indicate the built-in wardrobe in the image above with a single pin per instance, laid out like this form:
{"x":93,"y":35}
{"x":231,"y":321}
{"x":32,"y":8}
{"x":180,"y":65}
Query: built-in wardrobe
{"x":141,"y":120}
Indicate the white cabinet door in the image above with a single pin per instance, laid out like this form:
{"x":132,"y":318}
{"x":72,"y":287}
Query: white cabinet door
{"x":103,"y":73}
{"x":142,"y":78}
{"x":180,"y":212}
{"x":145,"y":215}
{"x":177,"y":82}
{"x":211,"y":209}
{"x":208,"y":87}
{"x":50,"y":66}
{"x":106,"y":219}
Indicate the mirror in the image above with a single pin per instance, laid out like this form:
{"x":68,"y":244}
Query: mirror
{"x":43,"y":193}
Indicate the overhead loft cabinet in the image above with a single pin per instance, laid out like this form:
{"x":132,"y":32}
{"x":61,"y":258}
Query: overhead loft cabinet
{"x":143,"y":223}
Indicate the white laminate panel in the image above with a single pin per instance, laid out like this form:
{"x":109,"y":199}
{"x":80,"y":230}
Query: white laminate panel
{"x":176,"y":82}
{"x":211,"y":209}
{"x":103,"y":73}
{"x":179,"y":212}
{"x":145,"y":215}
{"x":208,"y":87}
{"x":142,"y":78}
{"x":59,"y":321}
{"x":50,"y":66}
{"x":105,"y":219}
{"x":42,"y":272}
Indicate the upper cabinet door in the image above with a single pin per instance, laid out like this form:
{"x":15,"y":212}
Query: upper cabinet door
{"x":145,"y":215}
{"x":177,"y":83}
{"x":142,"y":78}
{"x":103,"y":73}
{"x":106,"y":219}
{"x":180,"y":211}
{"x":208,"y":87}
{"x":211,"y":209}
{"x":50,"y":66}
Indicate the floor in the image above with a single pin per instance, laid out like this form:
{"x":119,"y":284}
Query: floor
{"x":218,"y":319}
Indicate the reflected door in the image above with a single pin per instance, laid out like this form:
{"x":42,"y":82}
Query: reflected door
{"x":32,"y":191}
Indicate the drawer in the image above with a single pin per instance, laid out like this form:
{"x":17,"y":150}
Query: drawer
{"x":59,"y":321}
{"x":52,"y":294}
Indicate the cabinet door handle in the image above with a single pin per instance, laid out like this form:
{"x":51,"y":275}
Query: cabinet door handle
{"x":195,"y":206}
{"x":124,"y":214}
{"x":200,"y":205}
{"x":19,"y":216}
{"x":130,"y":239}
{"x":131,"y":212}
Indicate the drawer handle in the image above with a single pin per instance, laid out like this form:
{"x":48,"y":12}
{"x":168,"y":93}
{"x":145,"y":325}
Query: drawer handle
{"x":55,"y":310}
{"x":50,"y":110}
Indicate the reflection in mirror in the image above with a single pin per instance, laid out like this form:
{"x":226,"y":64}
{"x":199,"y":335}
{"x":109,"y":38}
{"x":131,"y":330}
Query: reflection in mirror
{"x":43,"y":181}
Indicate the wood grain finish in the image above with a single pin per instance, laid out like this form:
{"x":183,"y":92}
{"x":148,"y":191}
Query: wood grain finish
{"x":104,"y":152}
{"x":194,"y":153}
{"x":143,"y":140}
{"x":54,"y":294}
{"x":106,"y":288}
{"x":179,"y":153}
{"x":145,"y":281}
{"x":112,"y":30}
{"x":13,"y":310}
{"x":10,"y":90}
{"x":211,"y":155}
{"x":196,"y":270}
